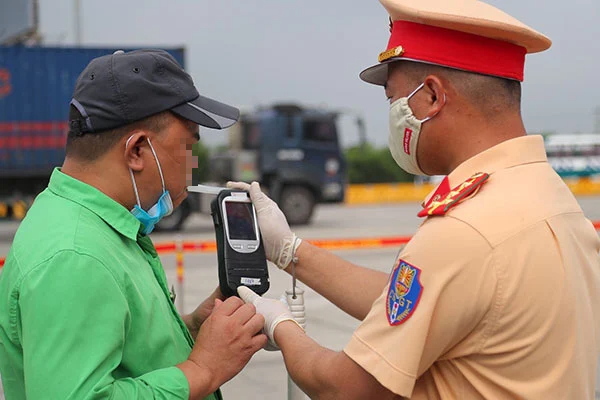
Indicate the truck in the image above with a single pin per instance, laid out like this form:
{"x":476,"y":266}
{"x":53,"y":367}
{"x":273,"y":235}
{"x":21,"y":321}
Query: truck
{"x":294,"y":151}
{"x":36,"y":86}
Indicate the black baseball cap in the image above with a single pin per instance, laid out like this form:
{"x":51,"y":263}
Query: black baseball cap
{"x":121,"y":88}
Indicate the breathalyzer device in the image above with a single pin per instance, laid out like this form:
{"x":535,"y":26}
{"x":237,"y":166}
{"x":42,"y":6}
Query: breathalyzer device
{"x":241,"y":254}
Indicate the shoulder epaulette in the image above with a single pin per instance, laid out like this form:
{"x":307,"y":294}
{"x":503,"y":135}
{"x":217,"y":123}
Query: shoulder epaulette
{"x":441,"y":203}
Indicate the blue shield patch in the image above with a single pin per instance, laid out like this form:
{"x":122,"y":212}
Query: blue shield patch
{"x":404,"y":292}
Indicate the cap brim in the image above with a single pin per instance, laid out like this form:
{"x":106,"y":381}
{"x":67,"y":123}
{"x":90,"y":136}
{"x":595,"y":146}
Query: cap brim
{"x":208,"y":112}
{"x":376,"y":74}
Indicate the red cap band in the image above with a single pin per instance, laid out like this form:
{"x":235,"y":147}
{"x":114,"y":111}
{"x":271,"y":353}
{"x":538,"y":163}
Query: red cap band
{"x":458,"y":50}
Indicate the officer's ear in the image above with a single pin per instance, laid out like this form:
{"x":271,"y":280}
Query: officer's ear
{"x":436,"y":94}
{"x":136,"y":145}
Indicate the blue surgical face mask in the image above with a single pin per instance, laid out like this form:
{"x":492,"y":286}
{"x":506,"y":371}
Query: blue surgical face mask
{"x":162,"y":208}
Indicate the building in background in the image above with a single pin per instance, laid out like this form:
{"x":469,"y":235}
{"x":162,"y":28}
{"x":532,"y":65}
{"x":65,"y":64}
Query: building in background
{"x":574,"y":155}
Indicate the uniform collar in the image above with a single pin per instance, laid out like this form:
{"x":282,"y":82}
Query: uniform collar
{"x":113,"y":213}
{"x":510,"y":153}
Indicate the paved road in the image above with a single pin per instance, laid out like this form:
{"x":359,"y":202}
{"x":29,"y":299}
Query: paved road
{"x":265,"y":376}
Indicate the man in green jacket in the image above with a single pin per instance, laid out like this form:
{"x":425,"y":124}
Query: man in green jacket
{"x":85,"y":312}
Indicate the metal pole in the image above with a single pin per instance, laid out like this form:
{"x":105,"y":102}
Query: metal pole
{"x":35,"y":36}
{"x":180,"y":273}
{"x":362,"y":133}
{"x":295,"y":300}
{"x":77,"y":16}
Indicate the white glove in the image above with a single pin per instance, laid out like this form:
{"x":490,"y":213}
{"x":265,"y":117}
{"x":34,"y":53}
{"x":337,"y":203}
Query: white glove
{"x":280,"y":242}
{"x":274,"y":311}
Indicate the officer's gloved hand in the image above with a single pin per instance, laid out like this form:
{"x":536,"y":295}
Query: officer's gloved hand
{"x":274,"y":311}
{"x":280,"y":242}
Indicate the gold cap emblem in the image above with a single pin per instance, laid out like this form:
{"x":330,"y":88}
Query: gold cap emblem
{"x":395,"y":52}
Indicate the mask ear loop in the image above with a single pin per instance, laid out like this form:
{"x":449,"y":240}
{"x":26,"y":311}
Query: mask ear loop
{"x":137,"y":196}
{"x":157,"y":163}
{"x":413,"y":93}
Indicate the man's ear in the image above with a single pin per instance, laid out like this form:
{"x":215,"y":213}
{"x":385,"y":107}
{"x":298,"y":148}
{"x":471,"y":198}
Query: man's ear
{"x":135,"y":145}
{"x":436,"y":93}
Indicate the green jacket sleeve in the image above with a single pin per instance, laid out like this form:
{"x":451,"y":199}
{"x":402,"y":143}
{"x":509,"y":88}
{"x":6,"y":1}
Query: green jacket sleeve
{"x":74,"y":321}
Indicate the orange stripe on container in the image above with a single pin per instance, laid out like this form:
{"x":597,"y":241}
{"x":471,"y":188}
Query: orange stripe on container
{"x":33,"y":126}
{"x":32,"y":142}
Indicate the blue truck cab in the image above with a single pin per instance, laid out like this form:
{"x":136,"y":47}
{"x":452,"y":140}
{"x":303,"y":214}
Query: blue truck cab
{"x":293,"y":151}
{"x":299,"y":157}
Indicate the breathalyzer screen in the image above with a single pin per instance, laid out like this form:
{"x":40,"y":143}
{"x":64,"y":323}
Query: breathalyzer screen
{"x":240,"y":221}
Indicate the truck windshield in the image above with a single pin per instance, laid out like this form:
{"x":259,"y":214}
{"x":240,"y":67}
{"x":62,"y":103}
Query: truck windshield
{"x":251,"y":135}
{"x":320,"y":130}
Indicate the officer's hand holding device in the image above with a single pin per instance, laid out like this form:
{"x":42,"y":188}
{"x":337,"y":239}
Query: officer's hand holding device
{"x":274,"y":311}
{"x":280,"y":242}
{"x":240,"y":248}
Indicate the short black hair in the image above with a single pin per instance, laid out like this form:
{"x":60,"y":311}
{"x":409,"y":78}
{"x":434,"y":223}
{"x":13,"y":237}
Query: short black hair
{"x":90,"y":146}
{"x":487,"y":92}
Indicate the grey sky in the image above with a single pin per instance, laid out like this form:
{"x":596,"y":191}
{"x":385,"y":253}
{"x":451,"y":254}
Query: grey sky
{"x":256,"y":52}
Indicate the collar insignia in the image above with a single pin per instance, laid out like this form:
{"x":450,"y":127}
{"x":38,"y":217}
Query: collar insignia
{"x":442,"y":202}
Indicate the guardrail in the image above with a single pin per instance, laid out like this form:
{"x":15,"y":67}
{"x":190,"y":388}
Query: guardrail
{"x":375,"y":193}
{"x":369,"y":193}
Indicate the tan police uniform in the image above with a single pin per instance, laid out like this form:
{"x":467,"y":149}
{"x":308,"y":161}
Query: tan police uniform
{"x":497,"y":296}
{"x":510,"y":291}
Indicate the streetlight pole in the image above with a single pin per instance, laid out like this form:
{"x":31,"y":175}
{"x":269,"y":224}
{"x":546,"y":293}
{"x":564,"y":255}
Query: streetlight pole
{"x":77,"y":17}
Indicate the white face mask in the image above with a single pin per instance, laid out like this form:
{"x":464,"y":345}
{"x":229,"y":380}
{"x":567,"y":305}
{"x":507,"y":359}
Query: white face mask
{"x":404,"y":133}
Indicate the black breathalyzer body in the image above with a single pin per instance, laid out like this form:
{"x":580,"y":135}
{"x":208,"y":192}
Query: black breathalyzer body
{"x":240,"y":249}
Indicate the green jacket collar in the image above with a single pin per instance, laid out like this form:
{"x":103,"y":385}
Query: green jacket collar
{"x":113,"y":213}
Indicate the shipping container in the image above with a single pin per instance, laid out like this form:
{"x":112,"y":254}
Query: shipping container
{"x":36,"y":85}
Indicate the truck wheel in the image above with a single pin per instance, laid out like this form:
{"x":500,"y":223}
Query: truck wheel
{"x":174,"y":221}
{"x":297,"y":204}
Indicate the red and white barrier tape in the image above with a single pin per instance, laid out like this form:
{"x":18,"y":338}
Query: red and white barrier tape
{"x":330,"y":244}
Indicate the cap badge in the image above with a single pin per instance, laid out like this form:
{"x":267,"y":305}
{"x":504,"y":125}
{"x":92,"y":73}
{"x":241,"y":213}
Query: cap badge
{"x":395,"y":52}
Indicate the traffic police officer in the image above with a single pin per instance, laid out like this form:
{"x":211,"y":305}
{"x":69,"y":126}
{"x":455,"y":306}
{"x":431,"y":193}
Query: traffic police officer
{"x":497,"y":295}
